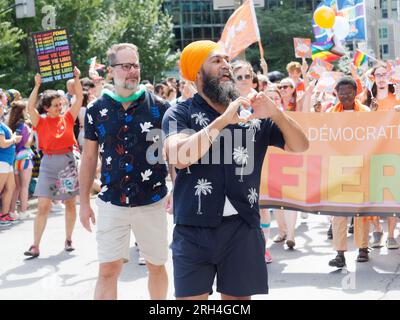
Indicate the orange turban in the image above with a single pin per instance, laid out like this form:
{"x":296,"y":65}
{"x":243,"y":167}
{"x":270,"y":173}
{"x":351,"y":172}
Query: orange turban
{"x":193,"y":57}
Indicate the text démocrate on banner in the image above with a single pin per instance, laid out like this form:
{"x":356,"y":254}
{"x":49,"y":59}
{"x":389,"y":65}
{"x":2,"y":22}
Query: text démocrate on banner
{"x":53,"y":55}
{"x":352,"y":166}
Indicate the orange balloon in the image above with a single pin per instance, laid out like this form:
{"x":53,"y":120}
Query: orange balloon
{"x":324,"y":17}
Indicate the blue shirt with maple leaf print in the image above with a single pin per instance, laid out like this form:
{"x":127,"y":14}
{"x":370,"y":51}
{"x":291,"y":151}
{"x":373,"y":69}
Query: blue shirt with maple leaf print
{"x":200,"y":191}
{"x":127,"y":178}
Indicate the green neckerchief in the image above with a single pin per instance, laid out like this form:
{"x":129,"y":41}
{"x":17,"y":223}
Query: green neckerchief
{"x":132,"y":97}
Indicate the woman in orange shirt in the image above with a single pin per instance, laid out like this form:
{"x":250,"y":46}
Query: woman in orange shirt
{"x":58,"y":175}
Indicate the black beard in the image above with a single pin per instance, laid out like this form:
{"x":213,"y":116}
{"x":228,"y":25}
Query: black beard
{"x":219,"y":92}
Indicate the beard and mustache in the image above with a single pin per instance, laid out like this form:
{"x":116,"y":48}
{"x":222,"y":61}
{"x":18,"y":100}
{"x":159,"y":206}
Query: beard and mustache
{"x":219,"y":92}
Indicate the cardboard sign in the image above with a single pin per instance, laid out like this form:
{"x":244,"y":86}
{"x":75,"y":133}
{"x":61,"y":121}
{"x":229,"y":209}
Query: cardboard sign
{"x":328,"y":81}
{"x":393,"y":69}
{"x":318,"y":67}
{"x":302,"y":48}
{"x":53,"y":55}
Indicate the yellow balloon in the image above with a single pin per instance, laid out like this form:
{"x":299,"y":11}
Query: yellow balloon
{"x":324,"y":17}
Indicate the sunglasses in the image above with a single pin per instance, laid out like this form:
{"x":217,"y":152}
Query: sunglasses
{"x":240,"y":78}
{"x":284,"y":87}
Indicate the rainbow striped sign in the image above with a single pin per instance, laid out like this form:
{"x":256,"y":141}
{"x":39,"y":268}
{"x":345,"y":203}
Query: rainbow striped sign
{"x":53,"y":55}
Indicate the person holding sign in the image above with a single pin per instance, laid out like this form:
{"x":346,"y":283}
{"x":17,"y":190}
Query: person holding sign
{"x":58,"y":176}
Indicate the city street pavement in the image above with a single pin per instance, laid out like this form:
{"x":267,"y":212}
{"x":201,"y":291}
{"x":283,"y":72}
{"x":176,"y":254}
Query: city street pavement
{"x":302,"y":273}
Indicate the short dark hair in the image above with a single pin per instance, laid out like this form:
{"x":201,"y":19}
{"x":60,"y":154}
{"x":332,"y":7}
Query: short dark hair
{"x":87,"y":83}
{"x":46,"y":99}
{"x":344,"y":81}
{"x":158,"y":88}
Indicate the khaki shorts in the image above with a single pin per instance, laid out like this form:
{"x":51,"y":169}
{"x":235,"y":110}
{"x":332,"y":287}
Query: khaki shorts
{"x":148,"y":224}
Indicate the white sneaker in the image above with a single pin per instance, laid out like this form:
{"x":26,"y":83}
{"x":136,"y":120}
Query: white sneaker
{"x":15,"y":215}
{"x":141,"y":261}
{"x":24,"y":215}
{"x":57,"y":207}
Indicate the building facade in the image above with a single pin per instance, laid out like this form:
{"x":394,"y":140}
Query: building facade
{"x":196,"y":19}
{"x":383,"y":28}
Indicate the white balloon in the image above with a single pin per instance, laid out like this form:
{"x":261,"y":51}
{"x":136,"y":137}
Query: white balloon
{"x":341,"y":28}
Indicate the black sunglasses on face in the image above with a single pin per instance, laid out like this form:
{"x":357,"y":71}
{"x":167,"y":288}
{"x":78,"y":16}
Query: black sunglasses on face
{"x":240,"y":78}
{"x":284,"y":86}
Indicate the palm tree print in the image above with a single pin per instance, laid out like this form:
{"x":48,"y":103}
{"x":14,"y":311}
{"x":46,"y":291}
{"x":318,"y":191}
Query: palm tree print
{"x":254,"y":126}
{"x":201,"y":119}
{"x":240,"y":156}
{"x":203,"y":187}
{"x":253,"y":196}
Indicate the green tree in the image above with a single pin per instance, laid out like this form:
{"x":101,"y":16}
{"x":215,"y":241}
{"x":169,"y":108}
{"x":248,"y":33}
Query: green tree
{"x":278,"y":26}
{"x":141,"y":23}
{"x":10,"y":37}
{"x":93,"y":25}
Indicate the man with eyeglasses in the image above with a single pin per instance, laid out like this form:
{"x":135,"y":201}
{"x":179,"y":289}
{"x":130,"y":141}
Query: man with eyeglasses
{"x":133,"y":189}
{"x":346,"y":90}
{"x":383,"y":96}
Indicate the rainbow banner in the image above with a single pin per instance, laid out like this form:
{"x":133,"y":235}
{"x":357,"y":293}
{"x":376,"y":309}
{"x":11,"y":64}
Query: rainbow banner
{"x":351,"y":168}
{"x":359,"y":58}
{"x":324,"y":51}
{"x":53,"y":55}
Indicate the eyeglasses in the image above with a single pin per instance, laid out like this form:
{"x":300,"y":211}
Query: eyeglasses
{"x":127,"y":66}
{"x":240,"y":78}
{"x":379,"y":75}
{"x":284,"y":87}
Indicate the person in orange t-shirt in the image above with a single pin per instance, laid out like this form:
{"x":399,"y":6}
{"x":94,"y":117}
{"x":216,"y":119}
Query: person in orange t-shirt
{"x":346,"y":90}
{"x":58,"y":175}
{"x":382,"y":97}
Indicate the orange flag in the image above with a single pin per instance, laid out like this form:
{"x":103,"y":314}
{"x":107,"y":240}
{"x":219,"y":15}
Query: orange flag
{"x":241,"y":30}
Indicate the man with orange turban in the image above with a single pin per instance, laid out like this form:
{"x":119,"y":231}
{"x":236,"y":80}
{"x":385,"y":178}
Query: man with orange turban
{"x":217,"y":231}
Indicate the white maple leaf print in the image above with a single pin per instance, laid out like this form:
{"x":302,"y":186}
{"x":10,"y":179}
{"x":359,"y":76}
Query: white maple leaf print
{"x":90,"y":119}
{"x":90,"y":105}
{"x":157,"y":185}
{"x":146,"y":175}
{"x":241,"y":26}
{"x":103,"y":112}
{"x":103,"y":189}
{"x":146,"y":126}
{"x":108,"y":160}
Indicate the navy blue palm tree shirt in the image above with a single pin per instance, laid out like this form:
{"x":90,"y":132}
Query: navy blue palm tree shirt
{"x":235,"y":173}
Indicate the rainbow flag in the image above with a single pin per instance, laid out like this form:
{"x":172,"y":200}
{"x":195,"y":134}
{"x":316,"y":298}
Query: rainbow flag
{"x":322,"y":50}
{"x":326,"y":56}
{"x":359,"y":58}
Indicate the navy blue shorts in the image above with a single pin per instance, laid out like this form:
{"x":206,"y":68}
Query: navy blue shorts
{"x":233,"y":251}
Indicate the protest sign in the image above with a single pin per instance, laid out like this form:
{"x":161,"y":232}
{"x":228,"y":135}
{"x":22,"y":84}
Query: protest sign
{"x":318,"y":67}
{"x":53,"y":55}
{"x":302,"y":48}
{"x":328,"y":81}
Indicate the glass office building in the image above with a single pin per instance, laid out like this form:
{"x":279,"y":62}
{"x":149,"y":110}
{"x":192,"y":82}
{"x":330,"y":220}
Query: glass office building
{"x":196,"y":19}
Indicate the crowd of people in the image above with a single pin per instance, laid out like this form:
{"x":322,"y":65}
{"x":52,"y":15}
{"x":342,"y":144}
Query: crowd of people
{"x":101,"y":122}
